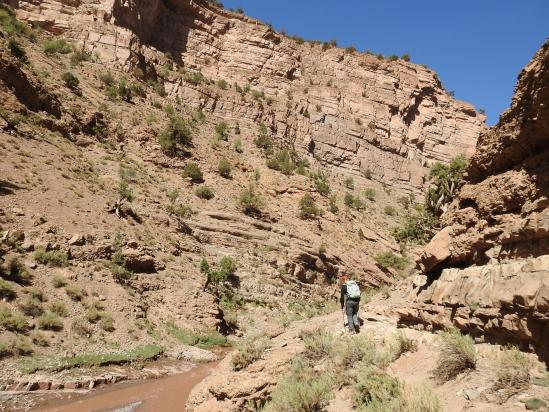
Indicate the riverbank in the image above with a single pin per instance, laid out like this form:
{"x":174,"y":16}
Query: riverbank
{"x":74,"y":389}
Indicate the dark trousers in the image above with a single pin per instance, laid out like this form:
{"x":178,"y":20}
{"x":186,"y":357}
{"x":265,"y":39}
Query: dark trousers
{"x":351,"y":309}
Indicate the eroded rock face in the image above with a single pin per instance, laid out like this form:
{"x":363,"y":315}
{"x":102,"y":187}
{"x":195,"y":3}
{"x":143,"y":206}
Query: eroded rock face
{"x":500,"y":302}
{"x":502,"y":210}
{"x":487,"y":270}
{"x":387,"y":119}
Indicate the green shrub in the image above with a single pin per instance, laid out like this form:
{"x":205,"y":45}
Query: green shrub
{"x":249,"y":351}
{"x":4,"y":348}
{"x":107,"y":322}
{"x":194,"y":78}
{"x":120,"y":273}
{"x":59,"y":309}
{"x":37,"y":294}
{"x":445,"y":182}
{"x":222,"y":84}
{"x":302,"y":391}
{"x":226,"y":268}
{"x":389,"y":210}
{"x":283,"y":162}
{"x":188,"y":337}
{"x":21,"y":347}
{"x":31,"y":307}
{"x":124,"y":190}
{"x":370,"y":194}
{"x":222,"y":130}
{"x":176,"y":136}
{"x":351,"y":351}
{"x":79,"y":56}
{"x":92,"y":315}
{"x":181,"y":211}
{"x":192,"y":170}
{"x":74,"y":293}
{"x":349,"y":183}
{"x":257,"y":94}
{"x":124,"y":90}
{"x":106,"y":78}
{"x":138,"y":89}
{"x":307,"y":207}
{"x":55,"y":258}
{"x":534,"y":404}
{"x":353,"y":202}
{"x":205,"y":192}
{"x":55,"y":46}
{"x":250,"y":201}
{"x":11,"y":25}
{"x":263,"y":141}
{"x":12,"y":322}
{"x":59,"y":281}
{"x":238,"y":145}
{"x":17,"y":270}
{"x":71,"y":81}
{"x":17,"y":50}
{"x":224,"y":168}
{"x":333,"y":204}
{"x":6,"y":290}
{"x":39,"y":339}
{"x":390,"y":260}
{"x":375,"y":390}
{"x":456,"y":356}
{"x":50,"y":321}
{"x":418,"y":225}
{"x":173,"y":195}
{"x":320,"y":180}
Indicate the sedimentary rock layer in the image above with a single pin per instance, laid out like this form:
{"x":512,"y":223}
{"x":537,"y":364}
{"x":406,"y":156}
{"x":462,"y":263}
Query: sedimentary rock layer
{"x":386,"y":119}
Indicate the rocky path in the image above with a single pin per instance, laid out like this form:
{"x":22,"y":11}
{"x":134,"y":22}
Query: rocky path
{"x":229,"y":390}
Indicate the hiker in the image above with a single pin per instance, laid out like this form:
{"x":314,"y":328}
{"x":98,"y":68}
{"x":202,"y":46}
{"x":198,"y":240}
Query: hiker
{"x":349,"y":299}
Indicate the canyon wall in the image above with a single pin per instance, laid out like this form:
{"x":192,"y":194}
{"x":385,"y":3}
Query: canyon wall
{"x":487,"y":271}
{"x":388,"y":120}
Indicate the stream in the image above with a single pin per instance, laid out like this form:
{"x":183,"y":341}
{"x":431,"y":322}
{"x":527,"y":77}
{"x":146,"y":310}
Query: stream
{"x":164,"y":394}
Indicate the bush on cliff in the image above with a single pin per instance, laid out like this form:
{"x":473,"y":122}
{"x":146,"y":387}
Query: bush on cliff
{"x":176,"y":137}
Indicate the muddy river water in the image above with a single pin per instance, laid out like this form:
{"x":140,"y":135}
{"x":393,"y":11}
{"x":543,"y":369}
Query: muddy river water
{"x":159,"y":395}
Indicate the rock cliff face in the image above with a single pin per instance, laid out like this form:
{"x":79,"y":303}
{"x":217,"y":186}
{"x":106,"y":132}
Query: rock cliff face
{"x":387,"y":119}
{"x":499,"y":223}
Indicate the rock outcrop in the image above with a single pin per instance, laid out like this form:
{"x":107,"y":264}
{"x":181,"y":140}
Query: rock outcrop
{"x":493,"y":251}
{"x":388,"y":119}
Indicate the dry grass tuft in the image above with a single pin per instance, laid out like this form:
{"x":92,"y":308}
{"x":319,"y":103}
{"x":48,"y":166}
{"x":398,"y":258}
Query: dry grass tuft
{"x":249,"y":351}
{"x":319,"y":343}
{"x":513,"y":374}
{"x":456,"y":356}
{"x":402,"y":345}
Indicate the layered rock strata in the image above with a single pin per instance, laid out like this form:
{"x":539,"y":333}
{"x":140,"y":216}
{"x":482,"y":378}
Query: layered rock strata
{"x":388,"y":120}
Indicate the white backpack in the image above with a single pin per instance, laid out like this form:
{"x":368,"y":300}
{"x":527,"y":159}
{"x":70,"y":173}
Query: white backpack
{"x":353,"y":291}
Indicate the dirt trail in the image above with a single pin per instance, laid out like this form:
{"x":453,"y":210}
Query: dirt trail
{"x":164,"y":394}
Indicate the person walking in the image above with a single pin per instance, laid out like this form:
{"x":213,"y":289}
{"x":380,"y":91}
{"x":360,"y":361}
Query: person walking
{"x":350,"y":300}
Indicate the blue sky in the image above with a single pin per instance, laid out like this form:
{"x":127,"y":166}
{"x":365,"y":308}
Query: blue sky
{"x":478,"y":47}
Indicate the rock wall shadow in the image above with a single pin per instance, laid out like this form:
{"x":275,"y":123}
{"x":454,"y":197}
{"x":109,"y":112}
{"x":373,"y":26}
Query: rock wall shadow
{"x":162,"y":24}
{"x":7,"y":188}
